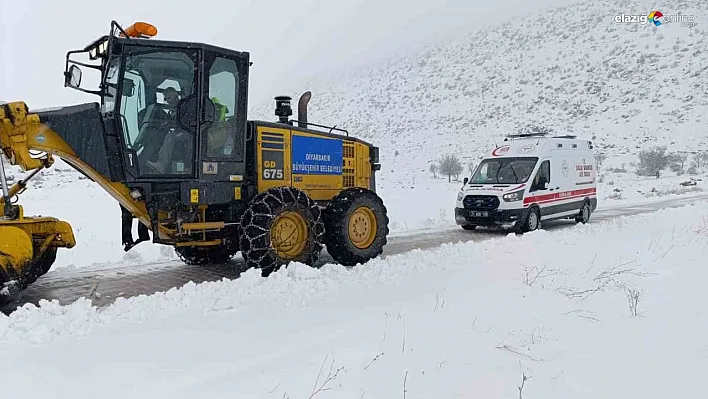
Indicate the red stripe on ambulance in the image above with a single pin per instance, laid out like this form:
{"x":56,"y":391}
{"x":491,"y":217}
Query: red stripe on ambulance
{"x":560,"y":196}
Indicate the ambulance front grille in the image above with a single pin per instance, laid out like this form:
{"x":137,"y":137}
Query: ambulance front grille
{"x":481,"y":202}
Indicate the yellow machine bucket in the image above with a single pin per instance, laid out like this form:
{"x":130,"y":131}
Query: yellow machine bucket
{"x":28,"y":245}
{"x":15,"y":249}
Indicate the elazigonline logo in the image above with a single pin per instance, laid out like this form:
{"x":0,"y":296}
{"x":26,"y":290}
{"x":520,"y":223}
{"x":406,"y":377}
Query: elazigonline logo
{"x":657,"y":18}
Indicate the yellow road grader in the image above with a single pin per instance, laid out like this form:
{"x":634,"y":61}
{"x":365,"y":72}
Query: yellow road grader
{"x":171,"y":142}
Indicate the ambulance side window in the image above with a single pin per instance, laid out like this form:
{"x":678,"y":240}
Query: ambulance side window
{"x":543,"y":176}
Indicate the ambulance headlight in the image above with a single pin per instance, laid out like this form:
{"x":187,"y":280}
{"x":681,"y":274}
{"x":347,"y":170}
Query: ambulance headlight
{"x":515,"y":196}
{"x":460,"y":195}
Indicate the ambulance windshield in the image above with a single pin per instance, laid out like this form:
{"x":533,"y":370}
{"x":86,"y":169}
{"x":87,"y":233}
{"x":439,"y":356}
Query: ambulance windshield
{"x":503,"y":171}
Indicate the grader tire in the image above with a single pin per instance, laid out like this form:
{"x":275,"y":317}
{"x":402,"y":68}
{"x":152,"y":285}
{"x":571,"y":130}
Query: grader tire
{"x":39,"y":267}
{"x":281,"y":225}
{"x":356,"y":226}
{"x":13,"y":282}
{"x":9,"y":284}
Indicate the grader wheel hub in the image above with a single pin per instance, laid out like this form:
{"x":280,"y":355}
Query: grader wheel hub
{"x":288,"y":234}
{"x":362,"y":227}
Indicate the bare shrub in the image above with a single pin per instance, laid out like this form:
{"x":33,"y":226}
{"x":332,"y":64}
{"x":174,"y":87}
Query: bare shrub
{"x":700,"y":160}
{"x":331,"y":376}
{"x":634,"y":295}
{"x":673,"y":191}
{"x":533,"y":274}
{"x":610,"y":278}
{"x":524,"y":378}
{"x":677,"y":162}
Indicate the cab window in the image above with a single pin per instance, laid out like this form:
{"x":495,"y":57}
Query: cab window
{"x":154,"y":83}
{"x":132,"y":105}
{"x":222,"y":141}
{"x":108,"y":101}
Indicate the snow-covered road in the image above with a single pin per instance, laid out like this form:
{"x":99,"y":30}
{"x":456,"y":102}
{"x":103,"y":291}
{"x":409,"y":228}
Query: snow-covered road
{"x":610,"y":309}
{"x":103,"y":284}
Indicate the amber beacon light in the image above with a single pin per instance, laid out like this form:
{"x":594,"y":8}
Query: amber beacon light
{"x":141,"y":30}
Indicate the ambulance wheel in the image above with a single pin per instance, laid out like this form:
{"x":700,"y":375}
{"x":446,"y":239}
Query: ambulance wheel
{"x":532,"y":221}
{"x":469,"y":227}
{"x":584,"y":214}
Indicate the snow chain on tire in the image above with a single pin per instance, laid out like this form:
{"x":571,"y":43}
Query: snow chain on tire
{"x":256,"y":222}
{"x":337,"y":216}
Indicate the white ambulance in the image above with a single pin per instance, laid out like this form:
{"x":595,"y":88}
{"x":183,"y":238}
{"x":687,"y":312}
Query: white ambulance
{"x":527,"y":179}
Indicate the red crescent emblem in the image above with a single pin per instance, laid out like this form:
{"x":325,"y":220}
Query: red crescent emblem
{"x":500,"y":150}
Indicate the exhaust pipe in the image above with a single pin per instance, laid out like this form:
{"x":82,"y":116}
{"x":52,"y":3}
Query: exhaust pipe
{"x":302,"y":109}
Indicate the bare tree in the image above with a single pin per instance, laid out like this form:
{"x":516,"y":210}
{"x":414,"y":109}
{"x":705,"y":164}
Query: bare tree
{"x":652,"y":161}
{"x":599,"y":159}
{"x":434,"y":170}
{"x":700,"y":159}
{"x":450,"y":166}
{"x":677,"y":161}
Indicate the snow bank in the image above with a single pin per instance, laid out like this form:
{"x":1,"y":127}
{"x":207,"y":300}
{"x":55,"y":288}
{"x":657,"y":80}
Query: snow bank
{"x":609,"y":309}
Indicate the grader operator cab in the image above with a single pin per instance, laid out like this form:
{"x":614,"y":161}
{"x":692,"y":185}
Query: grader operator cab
{"x":170,"y":141}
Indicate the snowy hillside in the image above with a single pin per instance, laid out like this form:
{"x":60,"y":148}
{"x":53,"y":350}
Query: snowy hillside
{"x":581,"y":313}
{"x":571,"y":69}
{"x":625,"y":86}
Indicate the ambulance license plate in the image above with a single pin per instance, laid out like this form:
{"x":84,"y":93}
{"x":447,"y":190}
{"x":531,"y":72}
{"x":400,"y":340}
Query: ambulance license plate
{"x":479,"y":214}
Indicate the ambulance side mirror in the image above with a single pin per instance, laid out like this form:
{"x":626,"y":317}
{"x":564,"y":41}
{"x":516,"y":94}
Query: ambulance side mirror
{"x":542,"y":181}
{"x":465,"y":180}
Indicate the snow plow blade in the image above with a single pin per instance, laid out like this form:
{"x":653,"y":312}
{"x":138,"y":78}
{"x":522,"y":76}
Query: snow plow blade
{"x":28,"y":245}
{"x":28,"y":248}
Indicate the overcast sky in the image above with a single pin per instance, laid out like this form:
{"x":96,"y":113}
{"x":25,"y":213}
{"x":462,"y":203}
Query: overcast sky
{"x":288,"y":39}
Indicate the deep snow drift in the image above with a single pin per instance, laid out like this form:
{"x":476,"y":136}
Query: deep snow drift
{"x":600,"y":310}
